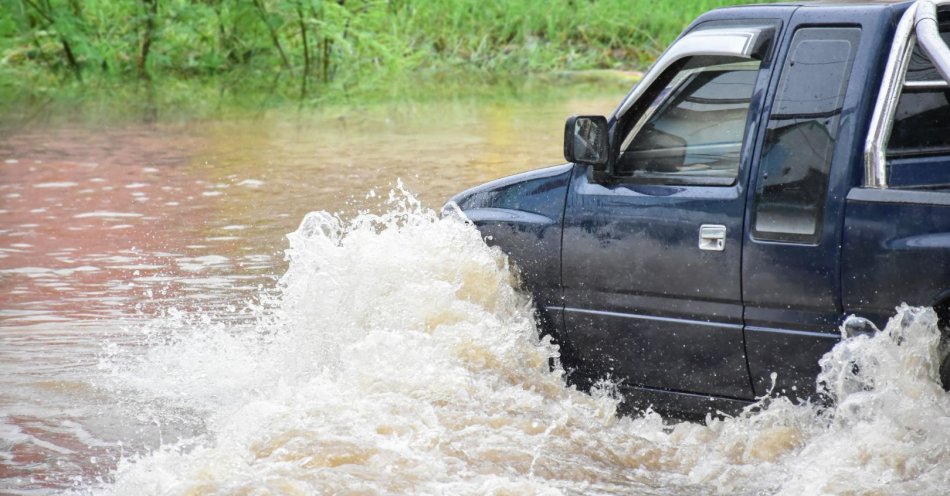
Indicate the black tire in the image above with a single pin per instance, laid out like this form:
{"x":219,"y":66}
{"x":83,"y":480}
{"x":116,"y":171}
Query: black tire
{"x":943,"y":323}
{"x":945,"y":373}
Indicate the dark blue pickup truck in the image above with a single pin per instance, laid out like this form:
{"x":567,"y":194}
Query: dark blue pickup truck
{"x":779,"y":168}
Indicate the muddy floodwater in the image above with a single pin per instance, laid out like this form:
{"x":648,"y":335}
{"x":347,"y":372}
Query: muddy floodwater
{"x":269,"y":304}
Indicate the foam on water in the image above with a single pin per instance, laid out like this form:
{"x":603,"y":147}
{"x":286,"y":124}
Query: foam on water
{"x":398,"y":356}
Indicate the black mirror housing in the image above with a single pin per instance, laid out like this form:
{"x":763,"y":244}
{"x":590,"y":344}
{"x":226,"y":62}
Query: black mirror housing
{"x":585,"y":140}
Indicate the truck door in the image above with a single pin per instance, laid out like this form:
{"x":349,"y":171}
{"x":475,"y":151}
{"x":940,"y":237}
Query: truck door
{"x":790,"y":280}
{"x":652,"y":249}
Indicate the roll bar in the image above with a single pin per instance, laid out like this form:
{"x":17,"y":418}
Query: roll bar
{"x":918,"y":25}
{"x":928,"y":34}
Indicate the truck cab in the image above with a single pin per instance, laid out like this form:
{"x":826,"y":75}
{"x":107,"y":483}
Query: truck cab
{"x":778,"y":169}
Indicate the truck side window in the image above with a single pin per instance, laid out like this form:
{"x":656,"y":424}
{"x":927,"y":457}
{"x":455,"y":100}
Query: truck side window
{"x":922,"y":120}
{"x":694,"y":127}
{"x":800,"y":138}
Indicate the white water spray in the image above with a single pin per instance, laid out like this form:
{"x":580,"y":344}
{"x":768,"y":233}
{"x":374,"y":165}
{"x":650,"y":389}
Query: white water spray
{"x":398,"y":357}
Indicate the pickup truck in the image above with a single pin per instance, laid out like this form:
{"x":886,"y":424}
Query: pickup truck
{"x":778,"y":169}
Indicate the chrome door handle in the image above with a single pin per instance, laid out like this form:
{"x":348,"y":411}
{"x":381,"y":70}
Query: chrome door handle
{"x":712,"y":237}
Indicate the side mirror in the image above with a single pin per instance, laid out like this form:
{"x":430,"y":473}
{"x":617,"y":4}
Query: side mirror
{"x":585,"y":140}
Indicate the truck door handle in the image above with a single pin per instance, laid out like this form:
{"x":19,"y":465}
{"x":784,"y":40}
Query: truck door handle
{"x":712,"y":237}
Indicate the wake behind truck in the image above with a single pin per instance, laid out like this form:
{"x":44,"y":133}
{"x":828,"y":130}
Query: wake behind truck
{"x":779,"y":168}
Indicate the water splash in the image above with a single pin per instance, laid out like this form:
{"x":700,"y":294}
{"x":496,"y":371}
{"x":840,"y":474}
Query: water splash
{"x":398,"y":357}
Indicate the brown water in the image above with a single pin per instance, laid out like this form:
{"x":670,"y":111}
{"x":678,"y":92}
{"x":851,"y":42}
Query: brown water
{"x":148,"y":347}
{"x":92,"y":217}
{"x":104,"y":224}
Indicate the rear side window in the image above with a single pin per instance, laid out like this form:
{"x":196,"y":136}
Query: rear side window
{"x":922,"y":120}
{"x":921,"y":123}
{"x":801,"y":135}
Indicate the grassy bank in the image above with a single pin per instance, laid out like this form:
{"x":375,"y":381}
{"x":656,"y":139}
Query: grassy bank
{"x":178,"y":52}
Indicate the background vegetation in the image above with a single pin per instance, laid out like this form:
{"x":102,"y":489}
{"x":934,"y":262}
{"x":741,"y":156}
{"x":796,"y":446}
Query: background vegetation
{"x":317,"y":50}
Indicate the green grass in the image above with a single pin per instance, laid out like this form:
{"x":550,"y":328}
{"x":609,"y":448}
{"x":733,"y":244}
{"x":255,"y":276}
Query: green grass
{"x":180,"y":52}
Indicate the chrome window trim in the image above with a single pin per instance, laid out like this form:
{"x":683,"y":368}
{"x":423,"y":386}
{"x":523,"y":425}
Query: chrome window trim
{"x":731,"y":42}
{"x":926,"y":84}
{"x":918,"y":24}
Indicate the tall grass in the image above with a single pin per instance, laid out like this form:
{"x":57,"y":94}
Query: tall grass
{"x":321,"y":49}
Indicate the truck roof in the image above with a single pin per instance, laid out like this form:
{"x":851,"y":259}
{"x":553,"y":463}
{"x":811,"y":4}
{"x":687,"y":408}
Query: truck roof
{"x":851,"y":2}
{"x":806,"y":3}
{"x":894,"y":6}
{"x":834,"y":7}
{"x":835,"y":3}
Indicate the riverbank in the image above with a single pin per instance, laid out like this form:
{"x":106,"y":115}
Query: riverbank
{"x":155,"y":54}
{"x":114,"y":105}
